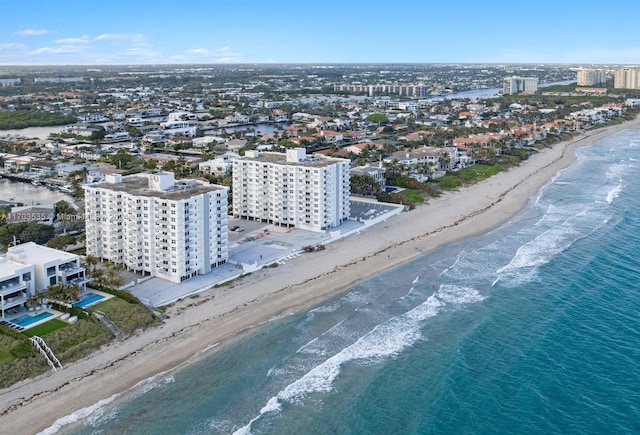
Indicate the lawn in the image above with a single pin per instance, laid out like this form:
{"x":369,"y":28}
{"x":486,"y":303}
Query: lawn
{"x":45,"y":328}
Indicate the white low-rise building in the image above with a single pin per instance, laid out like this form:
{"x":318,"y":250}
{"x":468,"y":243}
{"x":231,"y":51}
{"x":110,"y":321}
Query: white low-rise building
{"x":374,"y":171}
{"x":16,"y":286}
{"x":220,"y":165}
{"x":158,"y":226}
{"x":292,"y":189}
{"x":51,"y":266}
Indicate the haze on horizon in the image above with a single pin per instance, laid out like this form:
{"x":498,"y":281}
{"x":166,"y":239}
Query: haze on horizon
{"x":120,"y":32}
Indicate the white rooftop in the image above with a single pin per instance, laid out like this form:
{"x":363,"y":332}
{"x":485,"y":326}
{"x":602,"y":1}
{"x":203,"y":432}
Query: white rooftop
{"x":38,"y":254}
{"x":8,"y":267}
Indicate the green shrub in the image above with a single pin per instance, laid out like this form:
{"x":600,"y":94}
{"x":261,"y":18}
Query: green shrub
{"x":128,"y":317}
{"x":448,"y":182}
{"x":12,"y":333}
{"x":5,"y":356}
{"x":85,"y":334}
{"x":22,"y":368}
{"x":121,"y":294}
{"x":23,"y":350}
{"x":74,"y":311}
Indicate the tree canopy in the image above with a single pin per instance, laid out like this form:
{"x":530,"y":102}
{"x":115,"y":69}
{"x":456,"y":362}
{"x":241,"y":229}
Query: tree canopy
{"x":32,"y":118}
{"x":25,"y":232}
{"x":379,"y":118}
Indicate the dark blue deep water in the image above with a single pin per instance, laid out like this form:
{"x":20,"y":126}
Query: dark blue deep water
{"x":531,"y":328}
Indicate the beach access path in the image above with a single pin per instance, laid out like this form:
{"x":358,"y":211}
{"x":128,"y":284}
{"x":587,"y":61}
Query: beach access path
{"x":222,"y":314}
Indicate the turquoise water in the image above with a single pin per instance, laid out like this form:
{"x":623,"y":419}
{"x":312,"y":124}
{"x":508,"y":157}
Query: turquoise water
{"x":531,"y":328}
{"x":88,"y":299}
{"x":27,"y":320}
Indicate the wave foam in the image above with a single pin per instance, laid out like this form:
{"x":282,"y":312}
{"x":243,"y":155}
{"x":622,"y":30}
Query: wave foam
{"x":535,"y":253}
{"x":459,"y":295}
{"x":77,"y":415}
{"x":613,"y":193}
{"x":383,"y":341}
{"x":141,"y":387}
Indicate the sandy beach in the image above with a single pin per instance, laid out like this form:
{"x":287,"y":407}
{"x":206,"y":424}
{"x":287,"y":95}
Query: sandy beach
{"x":222,"y":314}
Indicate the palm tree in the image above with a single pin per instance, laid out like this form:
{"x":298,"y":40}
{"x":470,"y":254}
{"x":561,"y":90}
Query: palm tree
{"x":90,"y":261}
{"x":63,"y":292}
{"x":444,"y":161}
{"x":114,"y":279}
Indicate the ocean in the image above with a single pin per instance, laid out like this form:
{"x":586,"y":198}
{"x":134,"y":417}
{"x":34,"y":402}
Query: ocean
{"x":533,"y":327}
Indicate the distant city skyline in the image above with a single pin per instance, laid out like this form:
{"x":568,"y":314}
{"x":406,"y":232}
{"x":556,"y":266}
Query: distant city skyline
{"x":494,"y":31}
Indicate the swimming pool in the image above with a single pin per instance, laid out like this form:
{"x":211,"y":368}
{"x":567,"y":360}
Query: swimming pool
{"x":27,"y":320}
{"x":88,"y":299}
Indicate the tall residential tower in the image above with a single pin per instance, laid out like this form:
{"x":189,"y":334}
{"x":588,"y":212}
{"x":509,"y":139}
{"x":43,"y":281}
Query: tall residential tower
{"x":158,"y":226}
{"x":515,"y":85}
{"x":291,"y":189}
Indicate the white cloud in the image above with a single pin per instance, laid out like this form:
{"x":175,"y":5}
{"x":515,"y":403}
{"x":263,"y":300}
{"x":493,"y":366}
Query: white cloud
{"x":63,"y":49}
{"x":81,"y":40}
{"x":203,"y":51}
{"x":9,"y":51}
{"x":220,"y":55}
{"x":12,"y":46}
{"x":135,"y":38}
{"x":31,"y":32}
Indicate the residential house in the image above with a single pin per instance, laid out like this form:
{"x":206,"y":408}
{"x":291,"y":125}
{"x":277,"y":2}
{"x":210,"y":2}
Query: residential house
{"x":374,"y":171}
{"x":43,"y":168}
{"x":16,"y":287}
{"x":18,"y":163}
{"x":220,"y":165}
{"x":41,"y":213}
{"x":51,"y":266}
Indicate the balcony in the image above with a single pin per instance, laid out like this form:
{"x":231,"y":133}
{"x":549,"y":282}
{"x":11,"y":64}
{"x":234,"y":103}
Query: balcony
{"x":11,"y":287}
{"x":79,"y":280}
{"x":69,"y":269}
{"x":13,"y":301}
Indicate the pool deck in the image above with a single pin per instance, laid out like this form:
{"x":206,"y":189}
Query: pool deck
{"x":54,"y":315}
{"x":105,"y":297}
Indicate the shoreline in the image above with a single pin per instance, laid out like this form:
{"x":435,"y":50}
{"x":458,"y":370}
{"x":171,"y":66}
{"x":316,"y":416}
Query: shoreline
{"x":224,"y":314}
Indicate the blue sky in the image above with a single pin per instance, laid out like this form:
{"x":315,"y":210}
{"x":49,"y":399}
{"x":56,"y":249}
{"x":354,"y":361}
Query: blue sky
{"x":315,"y":31}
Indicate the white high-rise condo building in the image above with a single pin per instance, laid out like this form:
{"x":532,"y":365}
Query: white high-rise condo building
{"x":515,"y":85}
{"x":292,"y":189}
{"x":158,"y":226}
{"x":591,"y":77}
{"x":627,"y":78}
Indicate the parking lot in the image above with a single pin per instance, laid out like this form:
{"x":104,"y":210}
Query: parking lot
{"x":364,"y":210}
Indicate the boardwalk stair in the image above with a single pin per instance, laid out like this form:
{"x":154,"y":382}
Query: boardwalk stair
{"x":42,"y":347}
{"x":115,"y":331}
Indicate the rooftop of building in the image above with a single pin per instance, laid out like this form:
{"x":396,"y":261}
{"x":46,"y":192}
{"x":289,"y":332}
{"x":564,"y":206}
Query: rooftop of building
{"x":138,"y":185}
{"x":314,"y":161}
{"x":38,"y":254}
{"x":8,"y":267}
